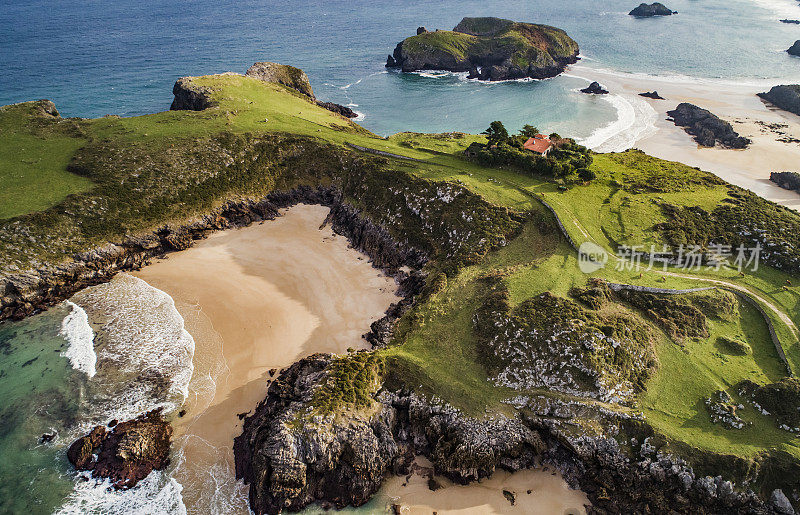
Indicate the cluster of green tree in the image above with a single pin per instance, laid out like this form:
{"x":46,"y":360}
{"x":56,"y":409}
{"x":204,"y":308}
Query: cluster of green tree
{"x":565,"y":159}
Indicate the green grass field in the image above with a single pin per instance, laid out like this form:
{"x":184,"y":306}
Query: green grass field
{"x":436,"y":349}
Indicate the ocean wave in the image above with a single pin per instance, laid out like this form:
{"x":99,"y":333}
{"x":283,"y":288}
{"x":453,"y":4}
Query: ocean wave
{"x":635,"y":121}
{"x":585,"y":72}
{"x":76,"y":330}
{"x":157,"y":493}
{"x":360,"y":116}
{"x":145,"y":353}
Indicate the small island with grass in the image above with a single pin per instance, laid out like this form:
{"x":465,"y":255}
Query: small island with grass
{"x":489,"y":49}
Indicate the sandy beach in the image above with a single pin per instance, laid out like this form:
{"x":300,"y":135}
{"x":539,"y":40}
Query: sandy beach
{"x":734,"y":102}
{"x":535,"y":492}
{"x":257,"y":299}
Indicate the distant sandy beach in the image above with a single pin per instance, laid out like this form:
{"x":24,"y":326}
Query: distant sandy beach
{"x":736,"y":103}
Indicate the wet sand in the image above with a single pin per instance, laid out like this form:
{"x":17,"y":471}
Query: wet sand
{"x":736,"y":103}
{"x":256,"y":299}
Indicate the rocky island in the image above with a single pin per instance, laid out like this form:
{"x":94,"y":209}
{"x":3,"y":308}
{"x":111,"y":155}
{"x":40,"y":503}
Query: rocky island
{"x":489,"y":49}
{"x":501,"y":354}
{"x":786,"y":97}
{"x":795,"y":48}
{"x":649,"y":10}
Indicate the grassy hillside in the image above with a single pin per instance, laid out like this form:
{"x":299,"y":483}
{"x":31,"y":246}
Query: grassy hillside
{"x":497,"y":252}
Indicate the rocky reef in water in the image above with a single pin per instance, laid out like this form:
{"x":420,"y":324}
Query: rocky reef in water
{"x":707,"y":128}
{"x":124,"y":452}
{"x":649,"y":10}
{"x":489,"y":49}
{"x":795,"y":48}
{"x":595,"y":89}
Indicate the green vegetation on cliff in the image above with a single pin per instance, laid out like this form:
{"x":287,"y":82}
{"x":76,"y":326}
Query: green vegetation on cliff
{"x":497,"y":255}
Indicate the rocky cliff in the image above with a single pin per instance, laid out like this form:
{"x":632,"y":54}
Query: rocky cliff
{"x":489,"y":49}
{"x":787,"y":97}
{"x":707,"y":128}
{"x":290,"y":459}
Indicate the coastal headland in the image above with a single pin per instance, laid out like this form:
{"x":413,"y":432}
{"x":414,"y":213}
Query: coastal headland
{"x":501,"y":353}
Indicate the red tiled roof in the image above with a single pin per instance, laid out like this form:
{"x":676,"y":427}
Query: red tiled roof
{"x":539,"y":144}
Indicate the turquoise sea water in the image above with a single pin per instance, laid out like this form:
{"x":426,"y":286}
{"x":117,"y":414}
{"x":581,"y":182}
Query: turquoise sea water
{"x":100,"y":57}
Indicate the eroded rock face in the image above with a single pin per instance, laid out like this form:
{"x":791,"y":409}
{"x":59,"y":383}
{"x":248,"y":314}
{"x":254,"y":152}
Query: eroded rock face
{"x":707,"y":128}
{"x":127,"y":453}
{"x":286,"y":75}
{"x":189,"y":96}
{"x":290,"y":459}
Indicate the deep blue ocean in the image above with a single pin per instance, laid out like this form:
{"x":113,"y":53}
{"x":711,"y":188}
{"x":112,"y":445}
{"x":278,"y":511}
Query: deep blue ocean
{"x":94,"y":58}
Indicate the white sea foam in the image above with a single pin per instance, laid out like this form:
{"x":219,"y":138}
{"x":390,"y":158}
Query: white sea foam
{"x":635,"y":121}
{"x":145,"y":359}
{"x":76,"y":330}
{"x":157,"y":493}
{"x":360,"y":116}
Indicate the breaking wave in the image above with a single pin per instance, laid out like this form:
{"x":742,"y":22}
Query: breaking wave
{"x":76,"y":330}
{"x":636,"y":120}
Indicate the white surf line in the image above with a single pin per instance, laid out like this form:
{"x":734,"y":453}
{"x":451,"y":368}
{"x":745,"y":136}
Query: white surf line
{"x":76,"y":330}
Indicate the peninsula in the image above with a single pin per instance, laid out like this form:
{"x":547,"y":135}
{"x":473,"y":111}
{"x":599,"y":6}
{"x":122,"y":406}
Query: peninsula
{"x":650,"y":389}
{"x":489,"y":49}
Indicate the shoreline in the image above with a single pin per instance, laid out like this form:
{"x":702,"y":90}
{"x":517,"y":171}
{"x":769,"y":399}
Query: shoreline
{"x":268,"y":295}
{"x":736,"y":103}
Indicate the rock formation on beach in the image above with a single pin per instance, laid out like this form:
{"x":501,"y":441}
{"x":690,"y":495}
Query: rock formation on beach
{"x":795,"y":49}
{"x":786,"y":96}
{"x":786,"y":180}
{"x":707,"y":128}
{"x":489,"y":49}
{"x":649,"y":10}
{"x":595,"y":89}
{"x":652,"y":94}
{"x":127,"y":452}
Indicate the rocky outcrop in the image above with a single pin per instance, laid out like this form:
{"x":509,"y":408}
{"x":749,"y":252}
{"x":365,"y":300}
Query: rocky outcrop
{"x":786,"y":180}
{"x":338,"y":109}
{"x":283,"y":74}
{"x":189,"y":96}
{"x":786,"y":96}
{"x":126,"y":453}
{"x":707,"y":128}
{"x":792,"y":22}
{"x":595,"y":89}
{"x":652,"y":94}
{"x":795,"y":49}
{"x":650,"y":10}
{"x":480,"y":46}
{"x":290,"y":460}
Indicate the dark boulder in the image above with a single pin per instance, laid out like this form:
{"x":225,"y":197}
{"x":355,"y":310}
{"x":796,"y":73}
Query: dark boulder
{"x":127,"y":453}
{"x":652,"y":94}
{"x":649,"y":10}
{"x":595,"y":89}
{"x":786,"y":180}
{"x":707,"y":128}
{"x":795,"y":49}
{"x":786,"y":96}
{"x":421,"y":30}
